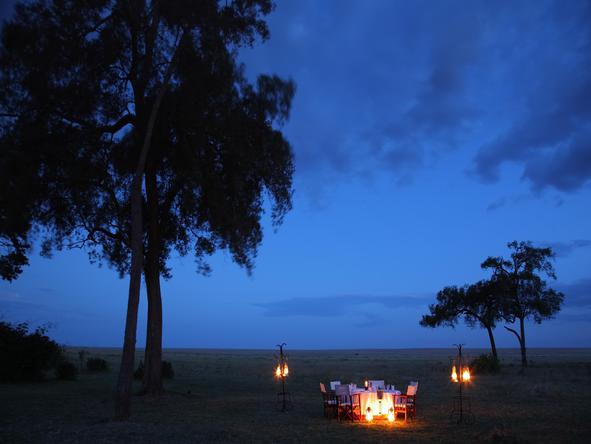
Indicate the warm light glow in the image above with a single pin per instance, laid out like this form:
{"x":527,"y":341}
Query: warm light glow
{"x":466,"y":374}
{"x":391,"y":415}
{"x":366,"y":384}
{"x":278,"y":371}
{"x":369,"y":415}
{"x":285,"y":370}
{"x":454,"y":374}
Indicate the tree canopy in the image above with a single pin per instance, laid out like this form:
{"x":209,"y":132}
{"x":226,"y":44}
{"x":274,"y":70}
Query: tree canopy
{"x":525,"y":295}
{"x":476,"y":304}
{"x":100,"y":95}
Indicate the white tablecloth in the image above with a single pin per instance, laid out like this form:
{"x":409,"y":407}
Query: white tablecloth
{"x":369,"y":398}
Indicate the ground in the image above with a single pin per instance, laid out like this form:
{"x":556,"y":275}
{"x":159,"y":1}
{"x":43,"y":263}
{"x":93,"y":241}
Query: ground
{"x":230,"y":395}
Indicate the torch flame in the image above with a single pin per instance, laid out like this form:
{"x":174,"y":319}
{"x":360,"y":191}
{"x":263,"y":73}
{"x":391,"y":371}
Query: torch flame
{"x":466,"y":374}
{"x":454,"y":374}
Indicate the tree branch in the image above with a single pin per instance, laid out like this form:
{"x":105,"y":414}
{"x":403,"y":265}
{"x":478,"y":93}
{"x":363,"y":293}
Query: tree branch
{"x":514,"y":332}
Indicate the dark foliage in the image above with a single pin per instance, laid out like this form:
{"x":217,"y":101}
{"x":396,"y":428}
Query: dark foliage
{"x":85,"y":87}
{"x":97,"y":365}
{"x":477,"y":304}
{"x":24,"y":355}
{"x":524,"y":294}
{"x":167,"y":371}
{"x":485,"y":364}
{"x":66,"y":370}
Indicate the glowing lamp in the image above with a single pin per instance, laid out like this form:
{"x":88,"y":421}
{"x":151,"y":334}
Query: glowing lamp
{"x":466,"y":374}
{"x":391,"y":415}
{"x":454,"y":374}
{"x":369,"y":415}
{"x":366,"y":384}
{"x":278,"y":371}
{"x":285,"y":370}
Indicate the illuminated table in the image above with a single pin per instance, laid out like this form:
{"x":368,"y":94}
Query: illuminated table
{"x":379,"y":407}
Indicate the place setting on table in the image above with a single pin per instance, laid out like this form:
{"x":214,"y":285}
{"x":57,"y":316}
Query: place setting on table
{"x":373,"y":401}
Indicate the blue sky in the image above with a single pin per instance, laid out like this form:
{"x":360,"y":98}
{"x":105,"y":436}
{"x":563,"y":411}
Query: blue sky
{"x":427,"y":135}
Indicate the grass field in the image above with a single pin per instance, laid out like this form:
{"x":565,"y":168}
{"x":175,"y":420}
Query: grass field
{"x":229,"y":396}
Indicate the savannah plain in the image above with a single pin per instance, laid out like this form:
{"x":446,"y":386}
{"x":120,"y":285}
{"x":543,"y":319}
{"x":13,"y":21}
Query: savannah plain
{"x":230,"y":396}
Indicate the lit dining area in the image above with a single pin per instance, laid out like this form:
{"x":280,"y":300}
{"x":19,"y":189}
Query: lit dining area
{"x":374,"y":401}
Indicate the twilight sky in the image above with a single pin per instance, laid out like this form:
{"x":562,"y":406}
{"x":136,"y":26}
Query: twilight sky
{"x":427,"y":135}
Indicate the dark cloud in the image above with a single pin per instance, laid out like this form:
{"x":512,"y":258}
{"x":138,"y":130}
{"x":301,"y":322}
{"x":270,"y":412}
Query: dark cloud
{"x":577,"y":294}
{"x":551,"y":137}
{"x":495,"y":205}
{"x":392,"y":87}
{"x":563,"y":249}
{"x":331,"y":306}
{"x":575,"y":317}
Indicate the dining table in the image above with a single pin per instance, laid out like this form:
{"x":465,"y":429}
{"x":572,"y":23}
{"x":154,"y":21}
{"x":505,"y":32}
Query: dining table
{"x":380,"y":401}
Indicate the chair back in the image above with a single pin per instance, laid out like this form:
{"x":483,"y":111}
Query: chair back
{"x":333,"y":384}
{"x":322,"y":388}
{"x":342,"y":390}
{"x":411,"y":390}
{"x":377,"y":384}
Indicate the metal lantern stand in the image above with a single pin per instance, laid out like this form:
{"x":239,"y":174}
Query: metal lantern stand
{"x":461,"y":405}
{"x":284,"y":403}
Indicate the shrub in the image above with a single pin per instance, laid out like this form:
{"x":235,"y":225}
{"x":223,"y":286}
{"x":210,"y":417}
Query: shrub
{"x":167,"y":371}
{"x":97,"y":365}
{"x":139,"y":372}
{"x":26,"y":356}
{"x":485,"y":364}
{"x":66,"y":371}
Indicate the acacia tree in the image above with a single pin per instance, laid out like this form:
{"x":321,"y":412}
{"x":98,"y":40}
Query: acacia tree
{"x":84,"y":88}
{"x":524,"y":293}
{"x":475,"y":304}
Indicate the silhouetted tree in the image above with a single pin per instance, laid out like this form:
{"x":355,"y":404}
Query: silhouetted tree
{"x":478,"y":303}
{"x":100,"y":96}
{"x":524,"y":294}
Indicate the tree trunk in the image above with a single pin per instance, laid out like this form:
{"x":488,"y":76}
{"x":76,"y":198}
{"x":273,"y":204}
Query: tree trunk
{"x":125,"y":380}
{"x":522,"y":343}
{"x":152,"y":383}
{"x":521,"y":340}
{"x":493,"y":346}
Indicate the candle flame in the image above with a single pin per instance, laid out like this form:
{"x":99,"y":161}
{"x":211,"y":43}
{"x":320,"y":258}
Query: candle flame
{"x":391,"y":415}
{"x":369,"y":415}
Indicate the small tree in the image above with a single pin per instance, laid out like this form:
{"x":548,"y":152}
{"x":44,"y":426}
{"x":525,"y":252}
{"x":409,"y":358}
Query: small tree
{"x":524,"y":294}
{"x":476,"y":304}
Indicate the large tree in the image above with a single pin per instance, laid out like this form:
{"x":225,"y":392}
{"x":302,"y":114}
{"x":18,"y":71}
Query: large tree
{"x":524,"y":293}
{"x":478,"y":303}
{"x":104,"y":99}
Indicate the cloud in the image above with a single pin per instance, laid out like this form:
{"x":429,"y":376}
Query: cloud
{"x":550,"y":138}
{"x":495,"y":205}
{"x":391,"y":88}
{"x":577,"y":294}
{"x":563,"y":249}
{"x":333,"y":306}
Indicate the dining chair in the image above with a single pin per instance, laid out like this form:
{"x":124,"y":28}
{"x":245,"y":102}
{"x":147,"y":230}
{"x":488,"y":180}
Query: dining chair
{"x":377,"y":384}
{"x":348,"y":404}
{"x":329,"y":402}
{"x":411,"y":393}
{"x":333,"y":384}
